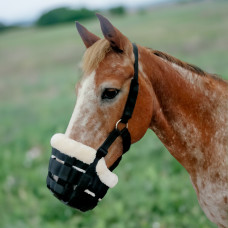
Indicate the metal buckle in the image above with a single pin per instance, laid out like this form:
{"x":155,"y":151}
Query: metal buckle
{"x":119,"y":121}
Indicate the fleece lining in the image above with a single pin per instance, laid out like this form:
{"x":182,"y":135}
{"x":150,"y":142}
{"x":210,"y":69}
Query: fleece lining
{"x":85,"y":154}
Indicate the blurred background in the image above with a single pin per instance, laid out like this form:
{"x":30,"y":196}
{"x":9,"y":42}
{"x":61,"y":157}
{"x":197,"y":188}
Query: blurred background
{"x":40,"y":52}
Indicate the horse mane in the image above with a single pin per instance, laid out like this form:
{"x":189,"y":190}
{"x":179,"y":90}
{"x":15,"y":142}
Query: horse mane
{"x":180,"y":63}
{"x":95,"y":54}
{"x":187,"y":66}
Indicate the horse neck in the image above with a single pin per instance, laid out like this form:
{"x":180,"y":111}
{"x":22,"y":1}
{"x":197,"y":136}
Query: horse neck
{"x":188,"y":111}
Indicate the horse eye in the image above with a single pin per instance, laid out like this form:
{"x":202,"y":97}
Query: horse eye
{"x":109,"y":93}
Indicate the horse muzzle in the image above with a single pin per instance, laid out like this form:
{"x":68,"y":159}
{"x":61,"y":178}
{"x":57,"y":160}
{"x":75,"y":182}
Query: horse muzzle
{"x":76,"y":175}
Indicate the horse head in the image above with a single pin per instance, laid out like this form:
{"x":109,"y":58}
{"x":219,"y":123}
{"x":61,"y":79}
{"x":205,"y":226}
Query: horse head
{"x":112,"y":111}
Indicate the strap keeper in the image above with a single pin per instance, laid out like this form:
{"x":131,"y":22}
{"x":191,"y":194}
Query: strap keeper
{"x":101,"y":152}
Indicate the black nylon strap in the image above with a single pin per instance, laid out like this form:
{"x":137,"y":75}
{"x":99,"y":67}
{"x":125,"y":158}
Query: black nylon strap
{"x":103,"y":149}
{"x":127,"y":114}
{"x":69,"y":160}
{"x":133,"y":92}
{"x":126,"y":140}
{"x":63,"y":157}
{"x":54,"y":186}
{"x":58,"y":169}
{"x":64,"y":172}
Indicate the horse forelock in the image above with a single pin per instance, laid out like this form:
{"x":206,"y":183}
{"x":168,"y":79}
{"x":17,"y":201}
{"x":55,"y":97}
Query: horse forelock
{"x":94,"y":55}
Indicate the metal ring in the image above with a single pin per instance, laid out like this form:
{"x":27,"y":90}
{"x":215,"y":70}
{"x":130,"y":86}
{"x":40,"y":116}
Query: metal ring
{"x":119,"y":122}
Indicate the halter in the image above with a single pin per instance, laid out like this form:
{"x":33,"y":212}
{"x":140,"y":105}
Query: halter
{"x":76,"y":183}
{"x":127,"y":113}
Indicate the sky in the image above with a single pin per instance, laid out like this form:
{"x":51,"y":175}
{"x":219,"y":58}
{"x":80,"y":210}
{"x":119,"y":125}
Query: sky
{"x":16,"y":11}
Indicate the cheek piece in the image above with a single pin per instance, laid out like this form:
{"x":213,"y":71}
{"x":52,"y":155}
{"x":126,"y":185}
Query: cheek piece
{"x":77,"y":174}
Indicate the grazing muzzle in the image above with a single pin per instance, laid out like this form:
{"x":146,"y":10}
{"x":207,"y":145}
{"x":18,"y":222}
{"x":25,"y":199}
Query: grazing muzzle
{"x":77,"y":174}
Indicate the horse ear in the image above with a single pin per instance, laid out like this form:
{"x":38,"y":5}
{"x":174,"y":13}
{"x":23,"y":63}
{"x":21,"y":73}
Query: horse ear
{"x":87,"y":37}
{"x":112,"y":34}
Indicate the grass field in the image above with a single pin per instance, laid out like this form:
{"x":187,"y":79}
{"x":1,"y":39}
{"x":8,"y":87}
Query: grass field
{"x":38,"y":71}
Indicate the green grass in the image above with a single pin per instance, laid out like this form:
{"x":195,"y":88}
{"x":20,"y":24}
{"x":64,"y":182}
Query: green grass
{"x":38,"y":71}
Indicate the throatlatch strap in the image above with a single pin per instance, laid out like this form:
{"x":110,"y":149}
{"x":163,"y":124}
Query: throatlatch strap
{"x":126,"y":141}
{"x":133,"y":92}
{"x":126,"y":138}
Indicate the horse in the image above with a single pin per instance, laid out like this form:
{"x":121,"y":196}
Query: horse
{"x":185,"y":106}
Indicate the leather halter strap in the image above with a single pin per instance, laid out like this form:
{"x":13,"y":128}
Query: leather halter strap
{"x":127,"y":114}
{"x":133,"y":92}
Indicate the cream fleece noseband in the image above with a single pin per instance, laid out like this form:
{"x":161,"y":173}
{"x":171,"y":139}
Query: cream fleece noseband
{"x":86,"y":155}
